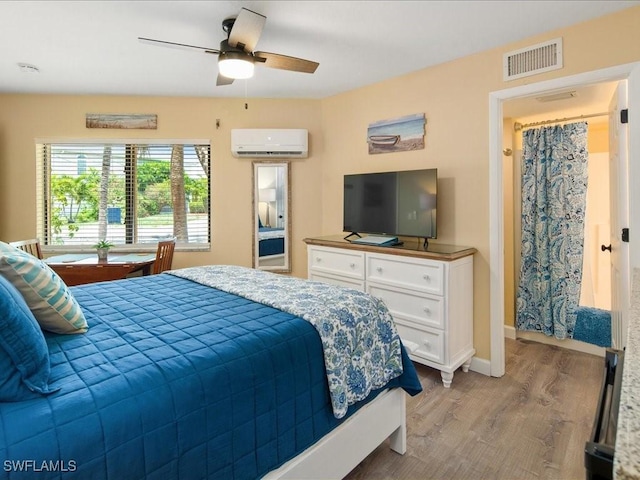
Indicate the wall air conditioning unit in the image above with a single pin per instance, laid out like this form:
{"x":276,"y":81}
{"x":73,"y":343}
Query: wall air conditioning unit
{"x":269,"y":143}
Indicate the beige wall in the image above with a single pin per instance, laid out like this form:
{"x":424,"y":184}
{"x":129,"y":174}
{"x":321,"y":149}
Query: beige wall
{"x":598,"y":141}
{"x":454,"y":97}
{"x":26,"y":117}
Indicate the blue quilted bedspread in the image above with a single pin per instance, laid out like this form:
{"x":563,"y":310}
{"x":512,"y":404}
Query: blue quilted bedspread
{"x":174,"y":379}
{"x":360,"y":341}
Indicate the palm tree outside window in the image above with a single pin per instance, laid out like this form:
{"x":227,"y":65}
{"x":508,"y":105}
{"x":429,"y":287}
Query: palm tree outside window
{"x":131,"y":194}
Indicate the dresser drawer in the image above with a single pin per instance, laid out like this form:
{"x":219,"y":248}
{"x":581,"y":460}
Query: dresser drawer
{"x":429,"y":295}
{"x":337,"y":262}
{"x":337,"y":280}
{"x":427,"y":344}
{"x":421,"y":275}
{"x":420,"y":309}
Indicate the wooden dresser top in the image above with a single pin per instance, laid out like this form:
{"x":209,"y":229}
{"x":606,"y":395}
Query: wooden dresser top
{"x":410,"y":248}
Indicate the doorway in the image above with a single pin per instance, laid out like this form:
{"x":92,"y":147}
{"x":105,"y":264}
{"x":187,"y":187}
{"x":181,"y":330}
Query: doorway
{"x":585,"y":104}
{"x":496,"y":198}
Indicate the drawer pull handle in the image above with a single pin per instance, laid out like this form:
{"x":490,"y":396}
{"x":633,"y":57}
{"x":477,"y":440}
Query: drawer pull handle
{"x":352,"y":265}
{"x":427,"y":278}
{"x":318,"y":259}
{"x":427,"y":310}
{"x":426,"y":343}
{"x":379,"y":269}
{"x":411,"y":346}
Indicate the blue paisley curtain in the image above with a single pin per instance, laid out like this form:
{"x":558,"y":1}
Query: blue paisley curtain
{"x":554,"y":187}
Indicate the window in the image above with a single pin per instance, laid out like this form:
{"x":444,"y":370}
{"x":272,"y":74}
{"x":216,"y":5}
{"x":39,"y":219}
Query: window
{"x":131,"y":194}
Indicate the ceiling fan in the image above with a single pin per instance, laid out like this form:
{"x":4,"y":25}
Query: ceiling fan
{"x":236,"y":58}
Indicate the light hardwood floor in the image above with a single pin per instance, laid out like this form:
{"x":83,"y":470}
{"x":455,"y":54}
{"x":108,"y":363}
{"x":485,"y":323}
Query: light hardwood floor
{"x":530,"y":424}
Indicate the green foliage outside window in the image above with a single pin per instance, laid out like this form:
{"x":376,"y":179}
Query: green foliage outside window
{"x":79,"y":204}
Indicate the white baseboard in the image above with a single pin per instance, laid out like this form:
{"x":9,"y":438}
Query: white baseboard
{"x":510,"y":332}
{"x":480,"y":365}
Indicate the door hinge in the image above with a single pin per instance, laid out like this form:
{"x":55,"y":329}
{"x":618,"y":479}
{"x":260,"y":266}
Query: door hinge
{"x":624,"y":115}
{"x":625,"y":235}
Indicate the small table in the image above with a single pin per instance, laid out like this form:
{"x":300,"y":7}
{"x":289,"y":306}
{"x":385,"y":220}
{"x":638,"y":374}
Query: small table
{"x":81,"y":268}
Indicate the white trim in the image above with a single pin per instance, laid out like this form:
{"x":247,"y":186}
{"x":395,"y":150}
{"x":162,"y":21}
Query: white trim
{"x":510,"y":332}
{"x":569,"y":344}
{"x":633,"y":157}
{"x":480,"y":365}
{"x":338,"y":452}
{"x":496,"y":236}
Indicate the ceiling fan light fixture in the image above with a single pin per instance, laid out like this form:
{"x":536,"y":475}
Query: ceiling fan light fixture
{"x":236,"y":55}
{"x":235,"y":65}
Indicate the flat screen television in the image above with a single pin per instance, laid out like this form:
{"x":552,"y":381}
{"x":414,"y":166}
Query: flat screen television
{"x":391,"y":203}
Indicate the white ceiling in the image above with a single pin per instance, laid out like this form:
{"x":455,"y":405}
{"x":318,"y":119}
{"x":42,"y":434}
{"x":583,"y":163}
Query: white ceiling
{"x":91,"y":47}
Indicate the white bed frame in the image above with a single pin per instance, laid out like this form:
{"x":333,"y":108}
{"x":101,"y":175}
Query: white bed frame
{"x":338,"y":452}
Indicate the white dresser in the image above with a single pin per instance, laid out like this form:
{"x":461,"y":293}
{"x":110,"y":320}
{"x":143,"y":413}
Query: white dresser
{"x":428,"y":292}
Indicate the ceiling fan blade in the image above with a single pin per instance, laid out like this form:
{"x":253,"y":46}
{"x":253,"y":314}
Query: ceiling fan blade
{"x":246,"y":30}
{"x":181,"y":46}
{"x":284,"y":62}
{"x":222,"y":80}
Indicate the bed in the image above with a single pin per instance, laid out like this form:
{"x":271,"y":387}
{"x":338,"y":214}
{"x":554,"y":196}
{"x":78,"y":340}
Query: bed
{"x":176,"y":378}
{"x":270,"y":241}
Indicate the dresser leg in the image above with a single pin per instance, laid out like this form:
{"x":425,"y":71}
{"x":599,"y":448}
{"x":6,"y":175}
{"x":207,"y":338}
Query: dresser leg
{"x":447,"y":378}
{"x":466,"y":365}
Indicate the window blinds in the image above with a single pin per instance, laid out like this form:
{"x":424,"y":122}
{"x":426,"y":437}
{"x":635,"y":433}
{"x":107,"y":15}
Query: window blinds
{"x":131,"y":194}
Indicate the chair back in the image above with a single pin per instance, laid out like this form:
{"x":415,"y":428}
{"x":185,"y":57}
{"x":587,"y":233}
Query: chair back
{"x":31,"y":246}
{"x":164,"y":255}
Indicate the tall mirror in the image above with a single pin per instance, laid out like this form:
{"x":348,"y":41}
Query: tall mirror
{"x":271,"y":216}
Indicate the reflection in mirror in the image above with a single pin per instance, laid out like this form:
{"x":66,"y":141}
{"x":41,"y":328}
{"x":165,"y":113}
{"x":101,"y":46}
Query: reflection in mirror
{"x":271,"y":216}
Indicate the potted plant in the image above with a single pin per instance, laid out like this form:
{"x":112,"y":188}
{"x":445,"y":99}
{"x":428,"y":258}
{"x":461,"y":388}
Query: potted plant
{"x":103,"y":247}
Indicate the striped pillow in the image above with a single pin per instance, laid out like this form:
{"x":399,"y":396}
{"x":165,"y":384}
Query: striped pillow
{"x":49,"y":299}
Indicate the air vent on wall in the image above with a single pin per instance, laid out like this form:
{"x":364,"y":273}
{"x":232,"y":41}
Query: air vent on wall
{"x":533,"y":60}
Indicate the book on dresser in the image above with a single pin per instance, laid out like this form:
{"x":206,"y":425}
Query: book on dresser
{"x":429,"y":293}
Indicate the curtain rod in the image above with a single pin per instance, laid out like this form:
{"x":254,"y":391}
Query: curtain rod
{"x":518,"y":126}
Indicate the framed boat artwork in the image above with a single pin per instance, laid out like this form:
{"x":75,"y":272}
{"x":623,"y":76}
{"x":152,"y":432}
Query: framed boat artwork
{"x":397,"y":134}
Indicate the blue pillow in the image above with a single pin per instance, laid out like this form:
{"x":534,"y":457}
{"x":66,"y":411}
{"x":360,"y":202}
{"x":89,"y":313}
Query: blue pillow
{"x":24,"y":356}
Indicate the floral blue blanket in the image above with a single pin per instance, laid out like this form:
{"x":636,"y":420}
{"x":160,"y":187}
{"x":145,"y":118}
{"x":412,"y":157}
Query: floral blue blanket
{"x":361,"y":344}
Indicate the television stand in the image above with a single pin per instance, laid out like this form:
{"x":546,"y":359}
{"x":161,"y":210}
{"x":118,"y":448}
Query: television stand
{"x":353,"y":234}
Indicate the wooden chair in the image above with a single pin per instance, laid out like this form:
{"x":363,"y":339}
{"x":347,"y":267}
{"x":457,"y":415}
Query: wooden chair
{"x":164,"y":256}
{"x":31,"y":246}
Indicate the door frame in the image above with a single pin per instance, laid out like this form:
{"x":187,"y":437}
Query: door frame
{"x":629,"y":71}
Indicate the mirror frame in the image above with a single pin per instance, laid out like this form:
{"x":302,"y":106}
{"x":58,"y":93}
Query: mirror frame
{"x":286,"y":268}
